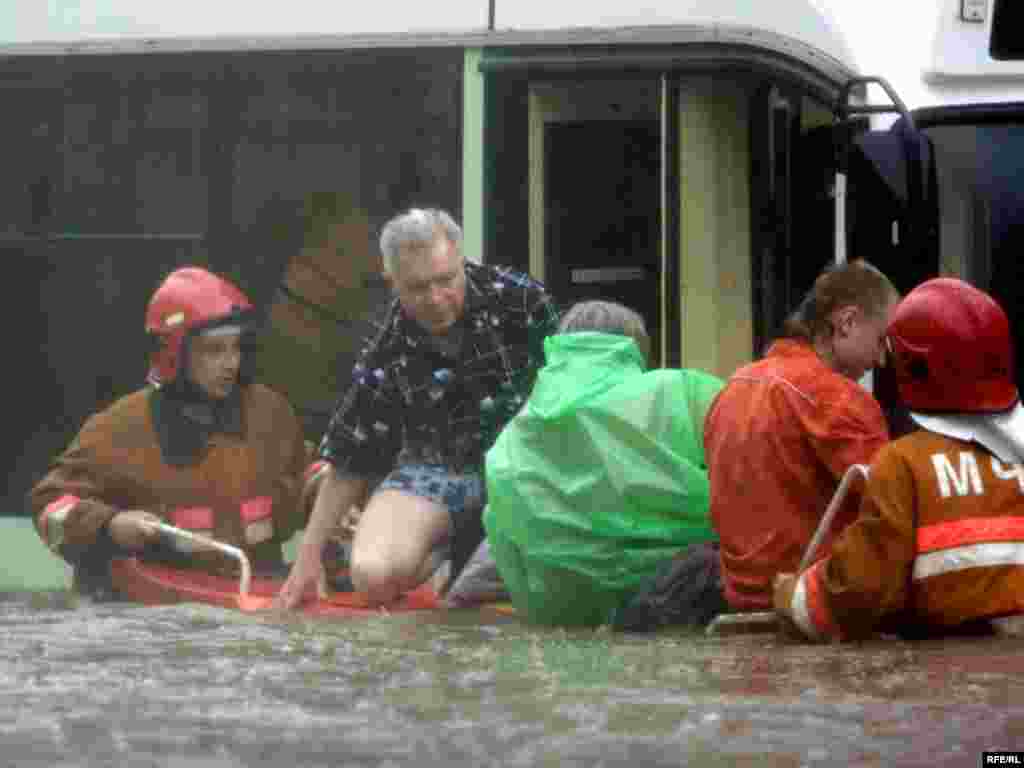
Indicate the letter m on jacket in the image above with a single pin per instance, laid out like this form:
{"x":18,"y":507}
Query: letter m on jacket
{"x":963,"y":480}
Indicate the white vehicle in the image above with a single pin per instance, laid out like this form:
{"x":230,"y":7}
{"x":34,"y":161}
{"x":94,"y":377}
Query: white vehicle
{"x":700,"y":160}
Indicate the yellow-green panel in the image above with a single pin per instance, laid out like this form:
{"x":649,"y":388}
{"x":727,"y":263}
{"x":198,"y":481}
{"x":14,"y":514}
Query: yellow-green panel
{"x":715,"y":289}
{"x":473,"y":156}
{"x":27,"y":565}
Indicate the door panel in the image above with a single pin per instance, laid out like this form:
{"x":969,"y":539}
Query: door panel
{"x":602,"y":239}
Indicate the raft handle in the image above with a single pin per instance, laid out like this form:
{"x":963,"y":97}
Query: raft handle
{"x":233,"y":552}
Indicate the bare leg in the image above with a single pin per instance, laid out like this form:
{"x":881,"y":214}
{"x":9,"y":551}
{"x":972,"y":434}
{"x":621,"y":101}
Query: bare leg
{"x":391,"y":552}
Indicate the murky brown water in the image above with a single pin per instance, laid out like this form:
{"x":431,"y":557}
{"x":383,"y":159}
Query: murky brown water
{"x":196,"y":687}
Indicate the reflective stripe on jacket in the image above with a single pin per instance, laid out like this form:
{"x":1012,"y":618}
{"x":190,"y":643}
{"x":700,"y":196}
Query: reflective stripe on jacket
{"x":939,"y":543}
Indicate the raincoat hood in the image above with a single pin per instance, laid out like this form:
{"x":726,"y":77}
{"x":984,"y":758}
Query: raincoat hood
{"x":581,"y":367}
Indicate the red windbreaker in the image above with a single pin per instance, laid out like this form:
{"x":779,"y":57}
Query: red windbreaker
{"x":778,"y":439}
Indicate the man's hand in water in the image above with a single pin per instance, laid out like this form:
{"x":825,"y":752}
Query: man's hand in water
{"x":133,"y":529}
{"x":304,"y":576}
{"x":335,"y":493}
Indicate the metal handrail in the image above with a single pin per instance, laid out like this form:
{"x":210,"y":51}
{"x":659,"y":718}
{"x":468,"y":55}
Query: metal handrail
{"x":843,"y":109}
{"x":853,"y":472}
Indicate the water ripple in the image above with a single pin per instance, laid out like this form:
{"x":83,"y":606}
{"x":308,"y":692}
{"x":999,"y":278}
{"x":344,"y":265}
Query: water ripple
{"x":197,"y":687}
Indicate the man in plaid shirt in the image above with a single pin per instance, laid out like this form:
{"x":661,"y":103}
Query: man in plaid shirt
{"x":453,"y":361}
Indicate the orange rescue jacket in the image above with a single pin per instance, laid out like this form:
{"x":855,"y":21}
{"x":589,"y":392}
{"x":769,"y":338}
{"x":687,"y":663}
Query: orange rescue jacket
{"x":939,"y":543}
{"x":252,"y":490}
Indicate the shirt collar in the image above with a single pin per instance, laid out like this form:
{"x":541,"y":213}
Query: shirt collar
{"x":480,"y":292}
{"x":792,"y":348}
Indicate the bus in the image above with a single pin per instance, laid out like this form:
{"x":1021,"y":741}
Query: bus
{"x":699,"y":160}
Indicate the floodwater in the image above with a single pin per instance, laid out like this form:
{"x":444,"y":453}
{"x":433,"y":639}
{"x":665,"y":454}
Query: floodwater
{"x":196,"y":687}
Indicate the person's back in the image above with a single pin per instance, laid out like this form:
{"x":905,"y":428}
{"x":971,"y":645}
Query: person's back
{"x":777,"y":437}
{"x":784,"y":430}
{"x":597,"y":480}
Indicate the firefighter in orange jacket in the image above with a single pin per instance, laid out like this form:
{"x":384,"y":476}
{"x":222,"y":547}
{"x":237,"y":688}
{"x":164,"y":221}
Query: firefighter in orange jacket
{"x":938,"y":545}
{"x":202,"y":448}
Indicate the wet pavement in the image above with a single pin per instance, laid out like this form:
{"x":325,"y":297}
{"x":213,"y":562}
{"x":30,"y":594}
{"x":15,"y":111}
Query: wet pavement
{"x":197,"y":687}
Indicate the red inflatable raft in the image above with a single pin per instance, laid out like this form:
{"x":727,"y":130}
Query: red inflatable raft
{"x":153,"y":584}
{"x":157,"y":584}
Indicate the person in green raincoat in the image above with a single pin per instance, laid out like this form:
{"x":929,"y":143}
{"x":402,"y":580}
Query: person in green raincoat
{"x":600,"y":478}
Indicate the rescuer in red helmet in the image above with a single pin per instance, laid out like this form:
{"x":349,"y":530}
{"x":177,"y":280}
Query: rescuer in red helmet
{"x":939,"y":542}
{"x":201,"y":447}
{"x":190,"y":302}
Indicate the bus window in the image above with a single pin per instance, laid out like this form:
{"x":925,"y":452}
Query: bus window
{"x":1007,"y":21}
{"x":979,"y":167}
{"x":966,"y":218}
{"x":891,"y":205}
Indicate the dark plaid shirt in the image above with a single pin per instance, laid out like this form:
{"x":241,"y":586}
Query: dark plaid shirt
{"x":410,"y":404}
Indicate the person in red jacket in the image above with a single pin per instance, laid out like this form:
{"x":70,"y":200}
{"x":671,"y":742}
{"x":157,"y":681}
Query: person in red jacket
{"x":202,"y":447}
{"x":938,"y":546}
{"x":785,"y":428}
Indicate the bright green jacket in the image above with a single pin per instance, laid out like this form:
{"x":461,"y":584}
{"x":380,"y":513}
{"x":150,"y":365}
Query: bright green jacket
{"x":598,"y":479}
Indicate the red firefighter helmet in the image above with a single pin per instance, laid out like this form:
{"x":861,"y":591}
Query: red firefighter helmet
{"x":188,"y":300}
{"x":951,"y":349}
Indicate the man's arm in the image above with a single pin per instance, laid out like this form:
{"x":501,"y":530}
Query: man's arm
{"x":314,"y":471}
{"x":361,"y":440}
{"x":336,"y":493}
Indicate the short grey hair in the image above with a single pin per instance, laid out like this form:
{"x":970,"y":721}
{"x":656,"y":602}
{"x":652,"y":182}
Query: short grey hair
{"x":417,"y":226}
{"x":607,"y":317}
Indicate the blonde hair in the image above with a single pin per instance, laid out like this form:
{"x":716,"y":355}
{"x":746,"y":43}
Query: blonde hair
{"x":856,"y":283}
{"x":607,"y":317}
